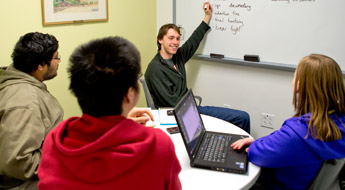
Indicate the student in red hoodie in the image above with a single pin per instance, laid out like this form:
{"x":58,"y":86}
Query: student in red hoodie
{"x":103,"y":149}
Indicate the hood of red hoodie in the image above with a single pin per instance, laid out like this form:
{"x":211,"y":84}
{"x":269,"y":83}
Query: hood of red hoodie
{"x":101,"y":149}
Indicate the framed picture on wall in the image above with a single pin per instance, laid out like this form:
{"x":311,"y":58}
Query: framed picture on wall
{"x":73,"y":11}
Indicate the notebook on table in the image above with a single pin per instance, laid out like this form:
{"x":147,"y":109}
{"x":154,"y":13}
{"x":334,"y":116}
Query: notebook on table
{"x":165,"y":118}
{"x":207,"y":149}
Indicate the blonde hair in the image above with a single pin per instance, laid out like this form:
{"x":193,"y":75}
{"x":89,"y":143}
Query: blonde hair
{"x":320,"y":90}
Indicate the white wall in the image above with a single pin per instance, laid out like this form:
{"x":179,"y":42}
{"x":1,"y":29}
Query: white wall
{"x":251,"y":89}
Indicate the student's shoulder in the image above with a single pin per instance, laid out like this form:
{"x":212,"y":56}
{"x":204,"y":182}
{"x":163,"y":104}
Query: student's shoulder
{"x":21,"y":93}
{"x":160,"y":135}
{"x":156,"y":59}
{"x":301,"y":120}
{"x":155,"y":68}
{"x":296,"y":126}
{"x":153,"y":65}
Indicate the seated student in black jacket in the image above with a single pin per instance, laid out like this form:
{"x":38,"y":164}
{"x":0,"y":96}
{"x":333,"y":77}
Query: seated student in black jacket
{"x":166,"y":74}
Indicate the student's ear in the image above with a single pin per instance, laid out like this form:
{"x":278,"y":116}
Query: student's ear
{"x":130,"y":96}
{"x":39,"y":72}
{"x":129,"y":101}
{"x":41,"y":67}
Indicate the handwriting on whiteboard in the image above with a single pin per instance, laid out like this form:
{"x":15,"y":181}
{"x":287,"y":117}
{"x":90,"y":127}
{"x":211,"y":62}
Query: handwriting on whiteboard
{"x":230,"y":17}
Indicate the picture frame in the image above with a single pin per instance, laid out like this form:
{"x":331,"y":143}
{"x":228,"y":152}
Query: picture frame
{"x":73,"y":11}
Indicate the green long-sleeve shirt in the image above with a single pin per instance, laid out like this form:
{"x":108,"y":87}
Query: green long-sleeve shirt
{"x":166,"y":84}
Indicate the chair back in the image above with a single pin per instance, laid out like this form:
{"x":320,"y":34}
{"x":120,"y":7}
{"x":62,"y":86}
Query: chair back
{"x":148,"y":97}
{"x":328,"y":175}
{"x":199,"y":99}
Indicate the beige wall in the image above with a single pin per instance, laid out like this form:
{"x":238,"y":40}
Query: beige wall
{"x":134,"y":20}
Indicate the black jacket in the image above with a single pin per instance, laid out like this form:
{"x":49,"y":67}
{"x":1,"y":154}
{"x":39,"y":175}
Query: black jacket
{"x":166,"y":84}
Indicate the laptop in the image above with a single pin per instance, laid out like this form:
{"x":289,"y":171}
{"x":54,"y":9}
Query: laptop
{"x":206,"y":149}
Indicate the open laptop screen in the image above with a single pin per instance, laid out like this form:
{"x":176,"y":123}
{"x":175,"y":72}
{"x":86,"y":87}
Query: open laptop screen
{"x":188,"y":118}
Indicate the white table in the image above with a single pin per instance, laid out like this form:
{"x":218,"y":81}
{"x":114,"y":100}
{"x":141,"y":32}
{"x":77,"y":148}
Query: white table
{"x":196,"y":178}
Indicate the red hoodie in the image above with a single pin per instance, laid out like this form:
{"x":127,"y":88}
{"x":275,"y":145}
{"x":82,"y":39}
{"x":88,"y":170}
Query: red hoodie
{"x":109,"y":152}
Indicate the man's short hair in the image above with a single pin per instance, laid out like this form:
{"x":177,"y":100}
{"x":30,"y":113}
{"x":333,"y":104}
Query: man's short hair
{"x":101,"y":73}
{"x":34,"y":49}
{"x":164,"y":30}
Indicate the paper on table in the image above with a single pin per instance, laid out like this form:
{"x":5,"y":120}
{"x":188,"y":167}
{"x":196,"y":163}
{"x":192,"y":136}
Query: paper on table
{"x":166,"y":119}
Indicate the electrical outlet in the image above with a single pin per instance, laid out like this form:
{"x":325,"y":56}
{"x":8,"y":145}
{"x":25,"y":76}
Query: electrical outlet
{"x":267,"y":120}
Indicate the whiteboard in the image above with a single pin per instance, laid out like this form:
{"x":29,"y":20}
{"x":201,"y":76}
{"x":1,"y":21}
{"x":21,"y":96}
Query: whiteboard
{"x":279,"y":31}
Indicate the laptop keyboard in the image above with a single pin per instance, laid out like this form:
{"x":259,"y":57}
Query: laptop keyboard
{"x":214,"y":148}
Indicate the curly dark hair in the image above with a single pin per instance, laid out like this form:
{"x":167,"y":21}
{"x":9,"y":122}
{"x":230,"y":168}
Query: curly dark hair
{"x":101,"y":73}
{"x":34,"y":49}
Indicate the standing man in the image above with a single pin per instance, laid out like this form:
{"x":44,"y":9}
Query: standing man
{"x":27,"y":110}
{"x":103,"y":149}
{"x":166,"y":75}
